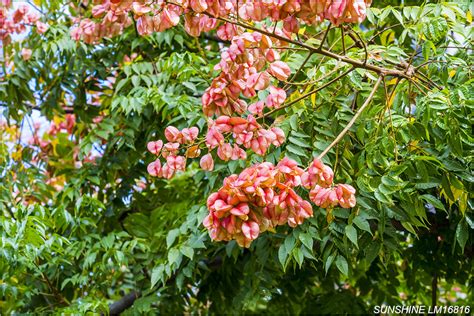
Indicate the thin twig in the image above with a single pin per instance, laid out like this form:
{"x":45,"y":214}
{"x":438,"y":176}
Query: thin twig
{"x":428,"y":80}
{"x":420,"y":89}
{"x":325,"y":36}
{"x":308,"y":94}
{"x":299,"y":69}
{"x":363,"y":45}
{"x":430,"y":62}
{"x":34,"y":6}
{"x":434,"y":289}
{"x":58,"y":295}
{"x":343,"y":41}
{"x":306,"y":83}
{"x":356,"y":43}
{"x":388,"y":105}
{"x":354,"y":118}
{"x":422,"y":84}
{"x":457,"y":47}
{"x":322,"y":60}
{"x":38,"y":108}
{"x":383,"y":30}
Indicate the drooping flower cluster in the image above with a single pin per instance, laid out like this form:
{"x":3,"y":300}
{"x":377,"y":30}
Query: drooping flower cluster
{"x":114,"y":17}
{"x":245,"y":132}
{"x":259,"y":198}
{"x":309,"y":11}
{"x":199,"y":15}
{"x":57,"y":125}
{"x":66,"y":125}
{"x":170,"y":150}
{"x":319,"y":179}
{"x":263,"y":196}
{"x":243,"y":72}
{"x":18,"y":21}
{"x":45,"y":141}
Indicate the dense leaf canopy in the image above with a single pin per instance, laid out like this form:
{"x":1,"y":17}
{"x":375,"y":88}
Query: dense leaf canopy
{"x":383,"y":98}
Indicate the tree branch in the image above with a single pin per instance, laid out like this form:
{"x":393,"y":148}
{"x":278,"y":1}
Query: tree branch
{"x":38,"y":108}
{"x":343,"y":41}
{"x":300,"y":68}
{"x":352,"y":121}
{"x":51,"y":287}
{"x":309,"y":93}
{"x":124,"y":303}
{"x":215,"y":38}
{"x":434,"y":289}
{"x":325,"y":35}
{"x":127,"y":301}
{"x":361,"y":42}
{"x":321,"y":51}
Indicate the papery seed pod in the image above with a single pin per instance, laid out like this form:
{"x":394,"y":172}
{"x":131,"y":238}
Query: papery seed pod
{"x":250,"y":230}
{"x":26,"y":53}
{"x":224,"y":151}
{"x":155,"y":147}
{"x":214,"y":138}
{"x":169,"y":149}
{"x":198,"y":6}
{"x":207,"y":163}
{"x":279,"y":70}
{"x":172,"y":134}
{"x":193,"y":151}
{"x":154,"y":168}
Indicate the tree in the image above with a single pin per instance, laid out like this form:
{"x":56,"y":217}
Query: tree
{"x":229,"y":157}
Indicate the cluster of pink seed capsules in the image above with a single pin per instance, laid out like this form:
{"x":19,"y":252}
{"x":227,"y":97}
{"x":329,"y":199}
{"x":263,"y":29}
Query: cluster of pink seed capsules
{"x":263,"y":196}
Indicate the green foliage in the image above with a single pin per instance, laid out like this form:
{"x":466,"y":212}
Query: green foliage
{"x":111,"y":229}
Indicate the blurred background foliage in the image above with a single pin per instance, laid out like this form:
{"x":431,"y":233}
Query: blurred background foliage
{"x":83,"y":224}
